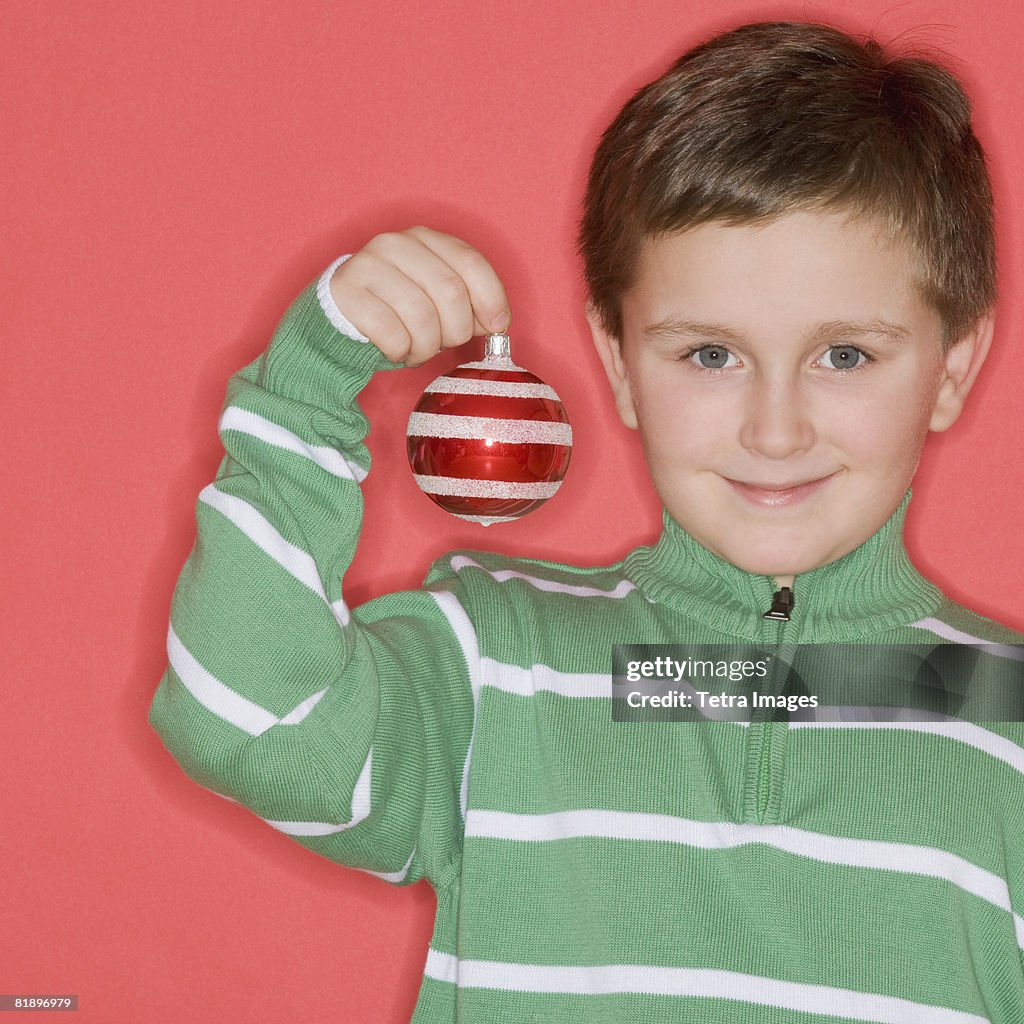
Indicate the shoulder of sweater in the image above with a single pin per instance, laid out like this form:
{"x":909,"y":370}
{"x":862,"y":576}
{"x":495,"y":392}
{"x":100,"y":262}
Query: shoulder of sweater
{"x":964,"y":625}
{"x":488,"y":569}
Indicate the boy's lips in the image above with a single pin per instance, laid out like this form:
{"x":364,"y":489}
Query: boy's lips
{"x":776,"y":495}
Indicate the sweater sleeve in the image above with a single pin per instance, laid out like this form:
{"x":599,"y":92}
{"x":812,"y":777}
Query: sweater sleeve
{"x":345,"y":729}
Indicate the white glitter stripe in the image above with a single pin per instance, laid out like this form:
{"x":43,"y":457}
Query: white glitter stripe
{"x":698,"y":982}
{"x":482,"y":428}
{"x":454,"y":487}
{"x":330,"y":307}
{"x":948,"y":632}
{"x":501,"y":388}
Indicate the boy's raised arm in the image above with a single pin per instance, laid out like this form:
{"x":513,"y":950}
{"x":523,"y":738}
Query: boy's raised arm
{"x":346,"y":729}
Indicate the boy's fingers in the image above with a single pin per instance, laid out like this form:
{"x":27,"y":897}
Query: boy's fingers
{"x":378,"y":321}
{"x":402,"y":292}
{"x":376,"y":276}
{"x":442,"y":285}
{"x":486,"y":292}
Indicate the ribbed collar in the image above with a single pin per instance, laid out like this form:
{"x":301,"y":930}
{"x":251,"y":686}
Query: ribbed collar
{"x":872,"y":588}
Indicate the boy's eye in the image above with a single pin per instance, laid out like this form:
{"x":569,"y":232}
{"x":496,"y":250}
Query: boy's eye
{"x":711,"y":357}
{"x":845,"y":357}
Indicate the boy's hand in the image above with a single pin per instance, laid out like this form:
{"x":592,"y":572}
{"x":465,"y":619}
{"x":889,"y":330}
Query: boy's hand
{"x":417,"y":291}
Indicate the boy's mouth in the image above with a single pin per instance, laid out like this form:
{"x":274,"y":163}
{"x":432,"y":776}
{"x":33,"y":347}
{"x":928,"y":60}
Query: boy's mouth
{"x":776,"y":495}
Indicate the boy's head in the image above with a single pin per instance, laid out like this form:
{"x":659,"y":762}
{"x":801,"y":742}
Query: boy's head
{"x":809,"y":224}
{"x":782,"y":116}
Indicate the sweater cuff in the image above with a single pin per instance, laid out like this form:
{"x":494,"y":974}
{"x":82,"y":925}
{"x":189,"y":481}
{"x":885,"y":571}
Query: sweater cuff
{"x":310,"y":361}
{"x":330,"y":307}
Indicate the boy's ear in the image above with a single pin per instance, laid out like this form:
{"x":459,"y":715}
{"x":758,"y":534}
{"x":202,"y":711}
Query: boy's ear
{"x":609,"y":350}
{"x":961,"y":364}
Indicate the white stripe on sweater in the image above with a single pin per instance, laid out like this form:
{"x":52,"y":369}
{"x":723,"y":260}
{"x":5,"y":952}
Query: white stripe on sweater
{"x":606,"y":979}
{"x":621,"y":589}
{"x":968,"y":733}
{"x":261,"y":532}
{"x":387,"y":876}
{"x":906,"y":858}
{"x":464,"y":632}
{"x":299,"y":712}
{"x":540,"y":678}
{"x":393,"y":876}
{"x":948,"y":632}
{"x":227,"y":704}
{"x":221,"y":700}
{"x":246,"y":422}
{"x":360,"y":810}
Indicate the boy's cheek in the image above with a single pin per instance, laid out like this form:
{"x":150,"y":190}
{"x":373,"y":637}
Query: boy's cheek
{"x":668,"y":410}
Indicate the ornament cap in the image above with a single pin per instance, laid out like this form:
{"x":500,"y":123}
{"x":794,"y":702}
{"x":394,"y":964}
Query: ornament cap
{"x":497,"y":346}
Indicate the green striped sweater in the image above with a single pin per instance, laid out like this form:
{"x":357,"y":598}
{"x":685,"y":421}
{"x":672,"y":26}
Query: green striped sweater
{"x":586,"y":870}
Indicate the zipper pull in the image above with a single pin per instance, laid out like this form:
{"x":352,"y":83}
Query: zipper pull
{"x":782,"y":605}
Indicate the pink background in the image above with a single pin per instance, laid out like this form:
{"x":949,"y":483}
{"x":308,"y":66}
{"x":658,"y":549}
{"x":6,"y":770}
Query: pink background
{"x":172,"y":176}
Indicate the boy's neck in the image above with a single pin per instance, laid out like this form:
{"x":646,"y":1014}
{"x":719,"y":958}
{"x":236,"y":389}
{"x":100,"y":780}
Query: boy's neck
{"x":783,"y":581}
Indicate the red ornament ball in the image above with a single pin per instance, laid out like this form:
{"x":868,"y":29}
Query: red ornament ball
{"x":489,"y":441}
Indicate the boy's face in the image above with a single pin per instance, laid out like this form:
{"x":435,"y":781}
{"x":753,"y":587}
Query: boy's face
{"x":783,"y":378}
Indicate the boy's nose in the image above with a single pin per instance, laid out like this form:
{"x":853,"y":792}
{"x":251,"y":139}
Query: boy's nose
{"x":776,"y":423}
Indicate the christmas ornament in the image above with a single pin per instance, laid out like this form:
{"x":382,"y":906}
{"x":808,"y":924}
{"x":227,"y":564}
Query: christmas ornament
{"x":489,"y":441}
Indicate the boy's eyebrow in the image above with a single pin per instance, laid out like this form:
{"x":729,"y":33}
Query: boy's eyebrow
{"x":675,"y":326}
{"x":839,"y":328}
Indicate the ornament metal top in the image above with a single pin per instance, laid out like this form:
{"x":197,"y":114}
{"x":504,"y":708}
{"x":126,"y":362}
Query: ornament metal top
{"x":489,"y":441}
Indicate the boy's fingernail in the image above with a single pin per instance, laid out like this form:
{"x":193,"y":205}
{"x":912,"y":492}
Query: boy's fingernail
{"x":501,"y":321}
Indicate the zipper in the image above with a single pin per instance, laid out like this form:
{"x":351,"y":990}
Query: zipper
{"x":767,"y":740}
{"x":782,"y":605}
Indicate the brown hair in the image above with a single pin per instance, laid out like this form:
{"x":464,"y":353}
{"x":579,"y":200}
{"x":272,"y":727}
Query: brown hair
{"x":779,"y":116}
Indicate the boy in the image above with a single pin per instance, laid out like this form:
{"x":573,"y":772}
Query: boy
{"x":788,"y":246}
